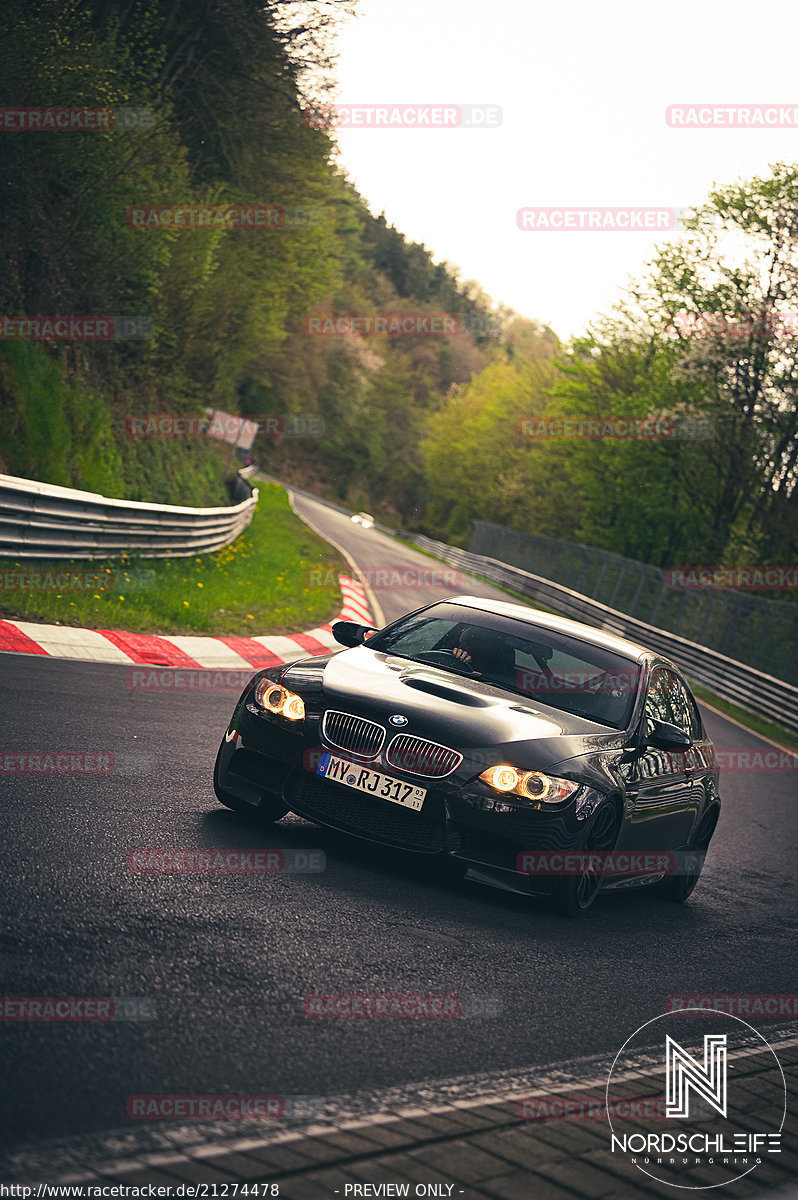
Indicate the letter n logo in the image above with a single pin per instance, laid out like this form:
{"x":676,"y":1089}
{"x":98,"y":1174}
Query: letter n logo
{"x":684,"y":1072}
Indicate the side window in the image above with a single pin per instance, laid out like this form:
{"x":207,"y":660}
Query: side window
{"x":684,"y":706}
{"x":659,"y":700}
{"x":668,"y":700}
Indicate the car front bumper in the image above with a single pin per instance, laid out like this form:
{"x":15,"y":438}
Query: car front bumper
{"x":461,"y":819}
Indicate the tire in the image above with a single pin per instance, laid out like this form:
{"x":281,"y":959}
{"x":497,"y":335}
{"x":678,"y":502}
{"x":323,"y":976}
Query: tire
{"x":270,"y":809}
{"x":681,"y":887}
{"x":575,"y":894}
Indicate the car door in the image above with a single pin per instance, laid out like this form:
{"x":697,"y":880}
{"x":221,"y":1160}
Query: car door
{"x":700,"y":759}
{"x":660,"y":801}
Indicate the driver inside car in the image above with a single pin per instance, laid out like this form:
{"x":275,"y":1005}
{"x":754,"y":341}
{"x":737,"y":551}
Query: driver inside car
{"x":486,"y":652}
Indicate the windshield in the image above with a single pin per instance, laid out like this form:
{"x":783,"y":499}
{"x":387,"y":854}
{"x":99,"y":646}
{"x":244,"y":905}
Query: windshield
{"x":551,"y":668}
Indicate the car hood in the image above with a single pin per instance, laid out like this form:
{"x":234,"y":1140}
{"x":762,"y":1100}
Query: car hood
{"x":458,"y":711}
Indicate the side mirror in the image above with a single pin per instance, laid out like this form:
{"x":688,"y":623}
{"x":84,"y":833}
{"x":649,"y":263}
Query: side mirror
{"x":664,"y":736}
{"x":350,"y":633}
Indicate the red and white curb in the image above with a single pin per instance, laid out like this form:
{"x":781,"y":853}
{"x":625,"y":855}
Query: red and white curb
{"x":145,"y":649}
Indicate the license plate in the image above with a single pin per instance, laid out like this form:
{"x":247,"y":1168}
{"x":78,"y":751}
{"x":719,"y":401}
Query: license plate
{"x":385,"y":787}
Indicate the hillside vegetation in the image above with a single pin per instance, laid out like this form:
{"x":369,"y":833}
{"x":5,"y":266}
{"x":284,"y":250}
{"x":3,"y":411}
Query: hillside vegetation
{"x":426,"y":431}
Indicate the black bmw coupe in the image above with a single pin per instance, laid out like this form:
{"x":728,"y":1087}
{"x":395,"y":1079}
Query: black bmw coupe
{"x":540,"y":754}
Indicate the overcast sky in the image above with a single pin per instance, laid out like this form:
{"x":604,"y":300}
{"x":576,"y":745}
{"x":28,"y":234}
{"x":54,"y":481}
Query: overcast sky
{"x":583,"y":88}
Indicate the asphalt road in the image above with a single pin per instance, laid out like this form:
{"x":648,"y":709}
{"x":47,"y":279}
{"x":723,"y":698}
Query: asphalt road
{"x":227,"y":959}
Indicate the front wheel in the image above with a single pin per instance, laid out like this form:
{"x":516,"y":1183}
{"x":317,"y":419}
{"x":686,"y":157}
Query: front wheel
{"x":575,"y":894}
{"x":270,"y":809}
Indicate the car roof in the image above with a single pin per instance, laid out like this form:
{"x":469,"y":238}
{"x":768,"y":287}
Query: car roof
{"x":531,"y":616}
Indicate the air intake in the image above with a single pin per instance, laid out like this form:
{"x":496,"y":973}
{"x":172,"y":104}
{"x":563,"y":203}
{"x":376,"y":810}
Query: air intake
{"x":356,"y":735}
{"x":420,"y":757}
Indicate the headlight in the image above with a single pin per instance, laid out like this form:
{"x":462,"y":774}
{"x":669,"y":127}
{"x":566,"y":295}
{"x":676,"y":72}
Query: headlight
{"x":276,"y":699}
{"x":529,"y":785}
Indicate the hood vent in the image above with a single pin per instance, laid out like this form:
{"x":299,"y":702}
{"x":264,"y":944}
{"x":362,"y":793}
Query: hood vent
{"x":446,"y":693}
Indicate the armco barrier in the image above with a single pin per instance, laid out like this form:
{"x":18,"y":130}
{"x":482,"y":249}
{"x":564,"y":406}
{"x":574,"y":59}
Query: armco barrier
{"x":752,"y":690}
{"x":733,"y":681}
{"x":739,"y":624}
{"x":40,"y":520}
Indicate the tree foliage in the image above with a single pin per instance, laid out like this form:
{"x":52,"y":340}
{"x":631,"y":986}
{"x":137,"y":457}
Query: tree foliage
{"x":425,"y":430}
{"x":705,"y":345}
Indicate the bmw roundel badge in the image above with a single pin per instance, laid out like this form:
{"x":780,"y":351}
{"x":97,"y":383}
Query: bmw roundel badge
{"x":398,"y":719}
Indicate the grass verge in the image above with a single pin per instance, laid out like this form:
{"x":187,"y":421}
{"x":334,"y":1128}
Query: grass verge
{"x":769,"y":729}
{"x":264,"y":583}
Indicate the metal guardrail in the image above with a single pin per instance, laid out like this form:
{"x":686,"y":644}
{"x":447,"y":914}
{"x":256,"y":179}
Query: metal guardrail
{"x":40,"y":520}
{"x":758,"y":631}
{"x":734,"y":681}
{"x":753,"y":690}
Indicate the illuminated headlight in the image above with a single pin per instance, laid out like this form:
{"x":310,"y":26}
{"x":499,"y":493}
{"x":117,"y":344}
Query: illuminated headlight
{"x":276,"y":699}
{"x":530,"y":785}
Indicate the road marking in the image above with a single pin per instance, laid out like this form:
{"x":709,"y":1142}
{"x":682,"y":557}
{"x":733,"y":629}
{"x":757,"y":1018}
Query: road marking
{"x":208,"y":651}
{"x":64,"y":641}
{"x":181,"y":650}
{"x":374,"y":604}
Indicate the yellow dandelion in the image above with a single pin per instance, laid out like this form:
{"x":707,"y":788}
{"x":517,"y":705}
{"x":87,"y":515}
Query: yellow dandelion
{"x":185,"y":604}
{"x":200,"y":585}
{"x":250,"y":617}
{"x":121,"y":597}
{"x":96,"y":595}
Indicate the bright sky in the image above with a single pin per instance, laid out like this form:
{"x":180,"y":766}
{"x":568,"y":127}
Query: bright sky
{"x":583,"y":88}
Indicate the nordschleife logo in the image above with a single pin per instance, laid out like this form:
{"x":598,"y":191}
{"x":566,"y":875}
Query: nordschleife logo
{"x":683,"y":1073}
{"x":716,"y":1126}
